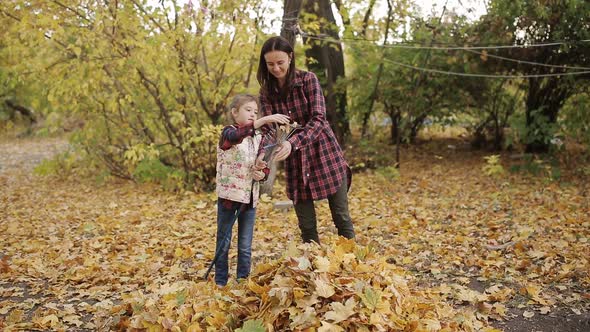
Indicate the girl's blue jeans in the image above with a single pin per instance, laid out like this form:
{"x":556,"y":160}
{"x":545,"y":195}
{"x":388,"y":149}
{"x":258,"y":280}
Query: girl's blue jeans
{"x":225,"y":221}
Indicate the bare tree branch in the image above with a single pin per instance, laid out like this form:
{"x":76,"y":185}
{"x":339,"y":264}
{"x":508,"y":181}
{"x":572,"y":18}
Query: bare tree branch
{"x":75,"y":11}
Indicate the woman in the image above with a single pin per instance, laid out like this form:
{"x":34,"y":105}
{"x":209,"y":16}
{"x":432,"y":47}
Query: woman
{"x":314,"y":163}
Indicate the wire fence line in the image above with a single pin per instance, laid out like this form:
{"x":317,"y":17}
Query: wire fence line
{"x":583,"y":70}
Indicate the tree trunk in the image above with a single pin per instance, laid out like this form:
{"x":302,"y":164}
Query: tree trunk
{"x":291,"y":9}
{"x":395,"y":117}
{"x":416,"y":125}
{"x":498,"y":135}
{"x":368,"y":16}
{"x":329,"y":66}
{"x":257,"y":23}
{"x":398,"y":140}
{"x":545,"y":98}
{"x":369,"y":111}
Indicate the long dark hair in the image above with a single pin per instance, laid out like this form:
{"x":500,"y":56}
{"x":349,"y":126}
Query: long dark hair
{"x":269,"y":83}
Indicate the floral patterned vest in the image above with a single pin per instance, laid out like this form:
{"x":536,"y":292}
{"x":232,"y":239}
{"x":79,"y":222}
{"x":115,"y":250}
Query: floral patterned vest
{"x":234,"y":171}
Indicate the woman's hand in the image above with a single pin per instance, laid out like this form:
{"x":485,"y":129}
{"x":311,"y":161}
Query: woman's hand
{"x":283,"y":151}
{"x":278,"y":118}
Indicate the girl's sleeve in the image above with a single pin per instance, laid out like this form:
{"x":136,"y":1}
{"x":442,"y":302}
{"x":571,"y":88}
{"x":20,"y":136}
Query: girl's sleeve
{"x":232,"y":135}
{"x":266,"y":108}
{"x":317,"y":106}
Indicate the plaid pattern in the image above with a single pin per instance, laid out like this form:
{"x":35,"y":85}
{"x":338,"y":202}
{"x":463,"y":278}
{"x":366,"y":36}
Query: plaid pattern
{"x":232,"y":135}
{"x":316,"y":167}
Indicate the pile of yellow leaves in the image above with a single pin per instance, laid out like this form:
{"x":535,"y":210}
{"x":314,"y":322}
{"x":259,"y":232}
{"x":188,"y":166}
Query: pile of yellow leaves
{"x":339,"y":286}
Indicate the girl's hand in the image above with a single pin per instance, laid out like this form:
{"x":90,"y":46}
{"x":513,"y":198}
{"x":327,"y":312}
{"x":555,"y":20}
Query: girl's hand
{"x":278,"y":118}
{"x":283,"y":151}
{"x":258,"y":175}
{"x":260,"y":163}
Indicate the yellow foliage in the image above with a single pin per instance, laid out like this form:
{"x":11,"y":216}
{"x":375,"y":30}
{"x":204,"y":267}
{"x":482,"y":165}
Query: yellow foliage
{"x":493,"y":166}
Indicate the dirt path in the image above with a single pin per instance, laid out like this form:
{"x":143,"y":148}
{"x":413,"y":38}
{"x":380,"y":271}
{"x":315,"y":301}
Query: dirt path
{"x":23,"y":155}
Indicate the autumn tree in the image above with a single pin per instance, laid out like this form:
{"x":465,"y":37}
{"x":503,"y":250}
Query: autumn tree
{"x":525,"y":22}
{"x":17,"y":97}
{"x":150,"y":82}
{"x":397,"y":85}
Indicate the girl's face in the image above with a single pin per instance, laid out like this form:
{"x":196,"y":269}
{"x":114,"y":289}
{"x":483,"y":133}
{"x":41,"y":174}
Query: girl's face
{"x":277,"y":63}
{"x":246,"y":113}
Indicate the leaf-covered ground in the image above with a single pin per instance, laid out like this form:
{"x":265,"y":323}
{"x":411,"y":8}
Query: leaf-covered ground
{"x":443,"y":248}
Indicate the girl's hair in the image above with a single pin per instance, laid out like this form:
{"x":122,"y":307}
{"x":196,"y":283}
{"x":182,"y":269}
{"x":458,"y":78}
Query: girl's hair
{"x":269,"y":83}
{"x":236,"y":103}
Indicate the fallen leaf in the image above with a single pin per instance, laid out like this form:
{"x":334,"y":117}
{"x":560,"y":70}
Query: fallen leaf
{"x":327,"y":327}
{"x":323,"y":289}
{"x":200,"y":205}
{"x":341,"y":311}
{"x":265,"y":198}
{"x":544,"y":310}
{"x":252,"y":326}
{"x":322,"y":264}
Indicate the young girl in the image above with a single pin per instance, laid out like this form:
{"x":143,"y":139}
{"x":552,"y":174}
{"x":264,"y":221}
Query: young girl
{"x":237,"y":183}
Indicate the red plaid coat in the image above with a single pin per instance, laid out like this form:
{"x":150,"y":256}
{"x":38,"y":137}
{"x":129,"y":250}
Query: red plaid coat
{"x":316,"y":167}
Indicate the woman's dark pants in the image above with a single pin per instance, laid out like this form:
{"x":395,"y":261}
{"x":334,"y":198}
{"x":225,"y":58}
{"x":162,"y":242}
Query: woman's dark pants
{"x":338,"y":202}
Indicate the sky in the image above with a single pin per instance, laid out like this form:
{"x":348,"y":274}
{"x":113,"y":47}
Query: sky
{"x":471,"y":8}
{"x":461,"y":7}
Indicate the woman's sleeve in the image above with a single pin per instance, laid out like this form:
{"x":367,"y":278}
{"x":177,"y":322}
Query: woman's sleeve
{"x":317,"y":107}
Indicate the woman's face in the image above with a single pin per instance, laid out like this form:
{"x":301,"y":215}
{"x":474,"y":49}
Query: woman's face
{"x":277,"y":63}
